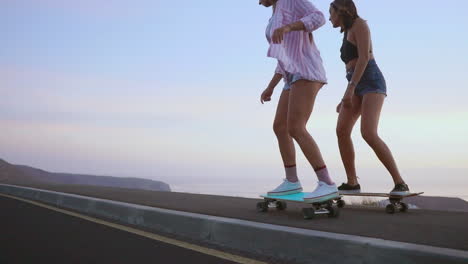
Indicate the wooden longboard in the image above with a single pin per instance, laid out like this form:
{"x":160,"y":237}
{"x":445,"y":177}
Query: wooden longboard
{"x":381,"y":194}
{"x":396,"y":204}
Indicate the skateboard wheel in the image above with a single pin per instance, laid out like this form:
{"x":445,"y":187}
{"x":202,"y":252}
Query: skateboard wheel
{"x":404,"y":207}
{"x":309,"y":213}
{"x":280,"y":205}
{"x":333,"y":211}
{"x":390,"y":209}
{"x":262,"y":207}
{"x":341,"y":203}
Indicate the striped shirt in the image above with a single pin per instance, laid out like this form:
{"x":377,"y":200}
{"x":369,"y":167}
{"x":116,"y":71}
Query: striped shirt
{"x":297,"y":53}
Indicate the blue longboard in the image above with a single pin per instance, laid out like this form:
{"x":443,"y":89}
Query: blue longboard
{"x":297,"y":197}
{"x":279,"y":202}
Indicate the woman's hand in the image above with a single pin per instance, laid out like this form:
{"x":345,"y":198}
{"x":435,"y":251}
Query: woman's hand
{"x":347,"y":101}
{"x":278,"y":34}
{"x":266,"y":95}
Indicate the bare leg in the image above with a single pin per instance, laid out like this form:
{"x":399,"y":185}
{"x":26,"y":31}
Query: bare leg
{"x":280,"y":127}
{"x":371,"y":108}
{"x":346,"y":121}
{"x":301,"y":103}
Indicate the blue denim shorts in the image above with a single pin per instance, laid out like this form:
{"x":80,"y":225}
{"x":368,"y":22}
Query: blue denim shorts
{"x":372,"y":80}
{"x":290,"y":79}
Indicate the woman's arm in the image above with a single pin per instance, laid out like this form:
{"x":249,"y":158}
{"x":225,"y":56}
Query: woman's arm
{"x":362,"y":36}
{"x":275,"y":80}
{"x":277,"y":77}
{"x":266,"y":95}
{"x":311,"y":20}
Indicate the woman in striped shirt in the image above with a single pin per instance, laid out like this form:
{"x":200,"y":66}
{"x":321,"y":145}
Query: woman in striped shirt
{"x":289,"y":33}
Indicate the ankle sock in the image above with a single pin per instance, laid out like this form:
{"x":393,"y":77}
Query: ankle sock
{"x":291,"y":173}
{"x":322,"y":175}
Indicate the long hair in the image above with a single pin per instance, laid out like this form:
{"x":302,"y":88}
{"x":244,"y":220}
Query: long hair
{"x":347,"y":10}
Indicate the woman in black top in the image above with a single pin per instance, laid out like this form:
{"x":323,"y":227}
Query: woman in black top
{"x":364,"y":96}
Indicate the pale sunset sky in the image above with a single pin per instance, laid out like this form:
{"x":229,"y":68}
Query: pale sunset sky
{"x":169,"y":90}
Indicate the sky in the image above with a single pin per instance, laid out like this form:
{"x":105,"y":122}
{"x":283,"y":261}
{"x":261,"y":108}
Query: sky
{"x":169,"y":90}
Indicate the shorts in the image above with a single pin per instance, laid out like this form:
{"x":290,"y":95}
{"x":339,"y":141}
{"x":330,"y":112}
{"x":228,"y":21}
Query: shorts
{"x":372,"y":80}
{"x":290,"y":79}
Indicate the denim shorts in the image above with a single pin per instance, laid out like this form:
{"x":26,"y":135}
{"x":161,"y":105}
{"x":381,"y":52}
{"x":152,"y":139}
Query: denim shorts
{"x":372,"y":80}
{"x":290,"y":79}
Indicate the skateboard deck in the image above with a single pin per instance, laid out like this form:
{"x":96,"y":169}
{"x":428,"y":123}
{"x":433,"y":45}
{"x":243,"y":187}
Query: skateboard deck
{"x":396,"y":204}
{"x":297,"y":197}
{"x":381,"y":194}
{"x":279,"y":202}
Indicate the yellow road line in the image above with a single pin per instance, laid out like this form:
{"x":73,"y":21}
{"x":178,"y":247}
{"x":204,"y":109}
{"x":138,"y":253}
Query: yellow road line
{"x":204,"y":250}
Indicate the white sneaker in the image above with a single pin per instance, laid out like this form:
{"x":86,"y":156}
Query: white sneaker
{"x":323,"y":192}
{"x":286,"y":188}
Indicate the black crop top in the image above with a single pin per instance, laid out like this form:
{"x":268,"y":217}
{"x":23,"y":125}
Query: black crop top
{"x":348,"y":50}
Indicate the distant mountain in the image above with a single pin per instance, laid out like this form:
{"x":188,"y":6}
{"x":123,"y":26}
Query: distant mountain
{"x":10,"y":173}
{"x":20,"y":174}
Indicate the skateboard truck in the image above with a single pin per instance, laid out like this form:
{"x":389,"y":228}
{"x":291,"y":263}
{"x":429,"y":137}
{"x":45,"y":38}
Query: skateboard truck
{"x":322,"y":208}
{"x":396,"y":205}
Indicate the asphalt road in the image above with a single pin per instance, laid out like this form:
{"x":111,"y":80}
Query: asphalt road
{"x":32,"y":234}
{"x":434,"y":228}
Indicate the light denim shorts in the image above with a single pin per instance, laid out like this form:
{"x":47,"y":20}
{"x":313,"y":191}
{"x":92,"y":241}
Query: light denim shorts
{"x":290,"y":79}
